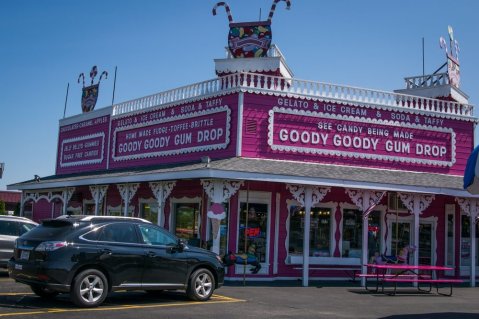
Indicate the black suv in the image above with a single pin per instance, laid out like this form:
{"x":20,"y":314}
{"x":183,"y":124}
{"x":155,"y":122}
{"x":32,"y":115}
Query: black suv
{"x":89,"y":256}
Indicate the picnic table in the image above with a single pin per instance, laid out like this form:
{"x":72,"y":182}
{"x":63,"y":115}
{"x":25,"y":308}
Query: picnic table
{"x":404,"y":273}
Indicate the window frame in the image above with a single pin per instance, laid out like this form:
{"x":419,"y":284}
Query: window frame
{"x":332,"y":206}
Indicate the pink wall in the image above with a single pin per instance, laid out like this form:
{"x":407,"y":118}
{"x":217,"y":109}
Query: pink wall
{"x":173,"y":134}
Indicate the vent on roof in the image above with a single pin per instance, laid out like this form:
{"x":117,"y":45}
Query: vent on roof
{"x":251,"y":126}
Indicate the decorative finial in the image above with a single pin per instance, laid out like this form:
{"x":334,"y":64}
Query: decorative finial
{"x":90,"y":93}
{"x":249,"y":39}
{"x":452,"y":55}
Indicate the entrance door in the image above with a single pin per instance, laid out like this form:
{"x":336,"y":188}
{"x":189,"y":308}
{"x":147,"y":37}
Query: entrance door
{"x":403,"y":236}
{"x":425,"y":244}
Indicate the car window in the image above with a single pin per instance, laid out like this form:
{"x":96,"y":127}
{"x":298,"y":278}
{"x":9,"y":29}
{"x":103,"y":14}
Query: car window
{"x":8,"y":228}
{"x":156,"y":236}
{"x":24,"y":227}
{"x":119,"y":232}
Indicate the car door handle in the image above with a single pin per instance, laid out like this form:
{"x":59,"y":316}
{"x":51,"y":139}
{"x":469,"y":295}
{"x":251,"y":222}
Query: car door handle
{"x":151,"y":254}
{"x":105,"y":252}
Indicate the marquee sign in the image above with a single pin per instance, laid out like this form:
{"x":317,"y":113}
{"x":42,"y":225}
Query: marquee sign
{"x":82,"y":150}
{"x":207,"y":129}
{"x":318,"y":133}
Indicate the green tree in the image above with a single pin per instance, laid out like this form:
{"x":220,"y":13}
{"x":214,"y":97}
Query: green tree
{"x":3,"y":211}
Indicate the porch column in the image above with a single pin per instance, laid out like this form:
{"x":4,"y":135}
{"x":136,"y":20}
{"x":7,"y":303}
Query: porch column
{"x":98,"y":193}
{"x":307,"y":196}
{"x":218,"y":191}
{"x":471,"y":207}
{"x":67,"y":194}
{"x":416,"y":204}
{"x":365,"y":200}
{"x":22,"y":204}
{"x":162,"y":190}
{"x":127,"y":191}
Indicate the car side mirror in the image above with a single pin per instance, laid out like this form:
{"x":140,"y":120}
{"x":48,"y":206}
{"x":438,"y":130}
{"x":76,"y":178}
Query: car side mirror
{"x":181,"y":245}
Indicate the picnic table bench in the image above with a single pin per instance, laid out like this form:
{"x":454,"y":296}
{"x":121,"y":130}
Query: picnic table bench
{"x":352,"y":271}
{"x":403,"y":273}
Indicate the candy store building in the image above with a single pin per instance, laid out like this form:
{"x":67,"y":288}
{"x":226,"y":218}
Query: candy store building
{"x":310,"y":179}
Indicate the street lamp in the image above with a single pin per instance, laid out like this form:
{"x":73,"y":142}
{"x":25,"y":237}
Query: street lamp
{"x":2,"y":167}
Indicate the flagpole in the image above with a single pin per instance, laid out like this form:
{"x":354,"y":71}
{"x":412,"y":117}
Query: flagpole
{"x":114,"y":88}
{"x":66,"y":99}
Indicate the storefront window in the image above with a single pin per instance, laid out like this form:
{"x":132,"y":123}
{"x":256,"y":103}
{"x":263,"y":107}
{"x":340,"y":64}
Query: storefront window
{"x":352,"y":233}
{"x":149,"y":211}
{"x":320,"y":232}
{"x":89,"y":208}
{"x":466,"y":241}
{"x":187,"y":216}
{"x":374,"y":233}
{"x":253,"y":226}
{"x":401,"y":237}
{"x":450,"y":240}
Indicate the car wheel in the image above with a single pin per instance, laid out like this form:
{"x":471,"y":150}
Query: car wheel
{"x":90,"y":288}
{"x":201,"y":285}
{"x":44,"y":292}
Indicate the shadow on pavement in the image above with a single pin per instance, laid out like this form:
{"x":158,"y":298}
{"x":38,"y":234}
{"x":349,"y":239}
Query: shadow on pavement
{"x":441,"y":315}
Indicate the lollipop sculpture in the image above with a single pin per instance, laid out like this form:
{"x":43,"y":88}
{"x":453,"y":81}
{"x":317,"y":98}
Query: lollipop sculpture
{"x":90,"y":93}
{"x":249,"y":39}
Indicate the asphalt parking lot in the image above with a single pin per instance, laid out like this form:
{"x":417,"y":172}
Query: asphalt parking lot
{"x":255,"y":300}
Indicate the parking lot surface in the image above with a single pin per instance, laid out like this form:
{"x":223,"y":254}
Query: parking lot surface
{"x":253,"y":300}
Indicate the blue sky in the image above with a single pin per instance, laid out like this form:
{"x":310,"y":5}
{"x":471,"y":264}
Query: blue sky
{"x":160,"y":45}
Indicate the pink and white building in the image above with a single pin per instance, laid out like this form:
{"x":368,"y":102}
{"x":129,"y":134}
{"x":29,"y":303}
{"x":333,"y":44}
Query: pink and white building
{"x":330,"y":174}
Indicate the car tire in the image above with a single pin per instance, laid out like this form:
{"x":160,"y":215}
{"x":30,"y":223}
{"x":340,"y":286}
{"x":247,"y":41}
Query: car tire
{"x":89,"y":289}
{"x":200,"y":285}
{"x":44,"y":292}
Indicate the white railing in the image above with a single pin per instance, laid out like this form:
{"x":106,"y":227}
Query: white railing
{"x":424,"y":81}
{"x":296,"y":87}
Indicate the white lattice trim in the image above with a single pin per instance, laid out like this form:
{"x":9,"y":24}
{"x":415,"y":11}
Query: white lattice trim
{"x":409,"y":201}
{"x":162,"y":190}
{"x":469,"y":206}
{"x":299,"y":193}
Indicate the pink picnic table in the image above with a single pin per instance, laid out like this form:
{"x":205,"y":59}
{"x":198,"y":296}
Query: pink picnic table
{"x":404,"y":273}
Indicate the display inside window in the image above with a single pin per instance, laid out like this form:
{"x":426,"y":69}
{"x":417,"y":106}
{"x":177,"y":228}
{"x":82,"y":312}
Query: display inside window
{"x":352,"y":233}
{"x":374,"y":233}
{"x":187,"y":220}
{"x":400,"y":237}
{"x":425,"y":244}
{"x":89,"y":209}
{"x":319,"y":234}
{"x":466,"y":241}
{"x":395,"y":203}
{"x":253,"y":227}
{"x":149,"y":211}
{"x":450,"y":240}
